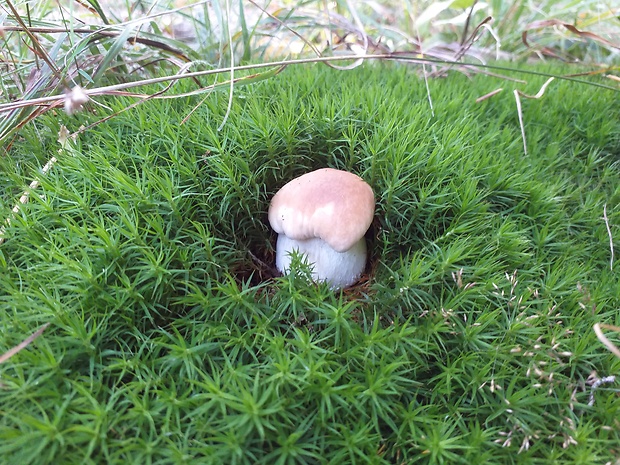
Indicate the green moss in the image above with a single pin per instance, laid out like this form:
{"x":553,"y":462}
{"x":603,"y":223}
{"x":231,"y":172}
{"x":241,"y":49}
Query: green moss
{"x":171,"y":340}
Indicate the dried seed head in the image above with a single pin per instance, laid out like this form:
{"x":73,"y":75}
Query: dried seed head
{"x":75,"y":99}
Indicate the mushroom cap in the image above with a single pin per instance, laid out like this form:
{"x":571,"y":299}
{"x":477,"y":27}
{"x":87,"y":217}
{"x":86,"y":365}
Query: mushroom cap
{"x":333,"y":205}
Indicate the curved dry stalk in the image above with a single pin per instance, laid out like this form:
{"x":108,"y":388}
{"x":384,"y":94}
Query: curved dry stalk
{"x":611,"y":239}
{"x":106,"y":90}
{"x":540,"y":93}
{"x":517,"y":93}
{"x":520,"y":115}
{"x":412,"y":58}
{"x":606,"y":342}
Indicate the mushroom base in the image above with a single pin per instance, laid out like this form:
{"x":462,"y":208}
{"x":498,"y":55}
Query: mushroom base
{"x":337,"y":269}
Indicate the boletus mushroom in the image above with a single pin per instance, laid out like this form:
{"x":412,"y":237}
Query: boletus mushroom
{"x":323,"y":215}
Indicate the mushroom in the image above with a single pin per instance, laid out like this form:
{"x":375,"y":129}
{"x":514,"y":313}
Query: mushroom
{"x":323,"y":215}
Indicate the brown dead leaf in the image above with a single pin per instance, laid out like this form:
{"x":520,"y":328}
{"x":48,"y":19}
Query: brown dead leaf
{"x":556,"y":22}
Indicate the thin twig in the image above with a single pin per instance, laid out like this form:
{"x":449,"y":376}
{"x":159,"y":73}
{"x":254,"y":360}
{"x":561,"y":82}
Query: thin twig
{"x":383,"y":56}
{"x":129,"y":107}
{"x":611,"y":239}
{"x":22,"y":345}
{"x":128,"y":85}
{"x":202,"y":90}
{"x":63,"y":135}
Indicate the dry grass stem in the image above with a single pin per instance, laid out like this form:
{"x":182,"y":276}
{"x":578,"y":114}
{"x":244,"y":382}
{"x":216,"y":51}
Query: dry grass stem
{"x":601,"y":337}
{"x":24,"y":198}
{"x":62,"y":138}
{"x":517,"y":93}
{"x":519,"y":113}
{"x":489,"y":95}
{"x":540,"y":93}
{"x":109,"y":90}
{"x":22,"y":345}
{"x":611,"y":239}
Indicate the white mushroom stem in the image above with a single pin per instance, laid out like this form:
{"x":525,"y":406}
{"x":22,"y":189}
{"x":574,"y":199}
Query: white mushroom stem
{"x":338,"y":269}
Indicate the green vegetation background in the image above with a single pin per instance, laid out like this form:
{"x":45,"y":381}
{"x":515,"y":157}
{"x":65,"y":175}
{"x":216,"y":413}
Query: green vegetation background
{"x":147,"y":248}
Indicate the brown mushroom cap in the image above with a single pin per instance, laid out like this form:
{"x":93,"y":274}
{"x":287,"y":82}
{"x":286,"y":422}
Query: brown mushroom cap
{"x":334,"y":205}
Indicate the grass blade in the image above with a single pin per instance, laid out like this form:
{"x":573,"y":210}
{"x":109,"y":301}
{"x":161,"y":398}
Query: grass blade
{"x":97,"y":7}
{"x":113,"y":52}
{"x":245,"y":34}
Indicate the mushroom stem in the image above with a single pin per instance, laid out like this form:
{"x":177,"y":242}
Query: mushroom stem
{"x":338,"y":269}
